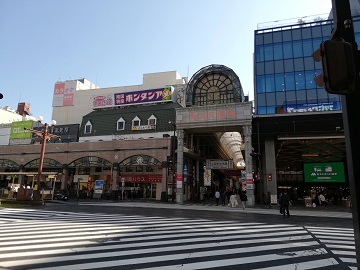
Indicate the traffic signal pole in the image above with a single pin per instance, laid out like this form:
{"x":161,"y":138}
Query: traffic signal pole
{"x":343,"y":28}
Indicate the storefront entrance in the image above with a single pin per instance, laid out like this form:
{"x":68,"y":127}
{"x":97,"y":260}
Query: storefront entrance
{"x":140,"y":191}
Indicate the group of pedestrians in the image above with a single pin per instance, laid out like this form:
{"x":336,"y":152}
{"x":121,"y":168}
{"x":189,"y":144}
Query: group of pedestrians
{"x":231,"y":198}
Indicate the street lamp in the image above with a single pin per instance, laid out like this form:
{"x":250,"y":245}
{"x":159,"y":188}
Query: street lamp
{"x":44,"y":135}
{"x":173,"y":144}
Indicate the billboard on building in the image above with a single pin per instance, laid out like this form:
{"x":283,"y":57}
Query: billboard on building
{"x":133,"y":98}
{"x":331,"y":172}
{"x":18,"y":134}
{"x":66,"y":133}
{"x":101,"y":101}
{"x":312,"y":107}
{"x":146,"y":96}
{"x":18,"y":129}
{"x":64,"y":93}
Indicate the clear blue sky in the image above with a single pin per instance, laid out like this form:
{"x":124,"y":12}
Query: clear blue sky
{"x":114,"y":42}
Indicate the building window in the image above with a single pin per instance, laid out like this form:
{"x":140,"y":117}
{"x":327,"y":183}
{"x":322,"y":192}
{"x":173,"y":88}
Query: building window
{"x":120,"y":125}
{"x":213,"y":89}
{"x":136,"y":122}
{"x":88,"y":127}
{"x":152,"y":120}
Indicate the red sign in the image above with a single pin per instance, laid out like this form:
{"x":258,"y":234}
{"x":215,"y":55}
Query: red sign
{"x":217,"y":114}
{"x":249,"y":181}
{"x":147,"y":178}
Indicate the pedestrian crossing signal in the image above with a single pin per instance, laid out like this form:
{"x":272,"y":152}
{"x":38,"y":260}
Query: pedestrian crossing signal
{"x":338,"y":66}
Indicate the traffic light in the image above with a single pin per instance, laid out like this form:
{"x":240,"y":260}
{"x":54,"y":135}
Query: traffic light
{"x":338,"y":65}
{"x":269,"y":177}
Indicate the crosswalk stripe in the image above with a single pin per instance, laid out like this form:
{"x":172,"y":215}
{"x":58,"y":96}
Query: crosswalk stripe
{"x":304,"y":265}
{"x":95,"y":241}
{"x":103,"y":248}
{"x":198,"y":265}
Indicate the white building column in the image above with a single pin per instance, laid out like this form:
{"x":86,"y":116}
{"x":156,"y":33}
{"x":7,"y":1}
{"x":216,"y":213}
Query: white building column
{"x":270,"y":168}
{"x":179,"y":167}
{"x":249,"y":165}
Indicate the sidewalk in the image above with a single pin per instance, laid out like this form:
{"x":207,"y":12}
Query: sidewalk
{"x":295,"y":210}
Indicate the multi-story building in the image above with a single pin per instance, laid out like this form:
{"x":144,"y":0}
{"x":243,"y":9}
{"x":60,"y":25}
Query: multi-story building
{"x":297,"y":124}
{"x":125,"y":137}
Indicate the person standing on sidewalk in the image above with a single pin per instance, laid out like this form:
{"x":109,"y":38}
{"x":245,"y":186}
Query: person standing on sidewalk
{"x":233,"y":201}
{"x":217,"y":197}
{"x":284,"y":202}
{"x":243,"y":198}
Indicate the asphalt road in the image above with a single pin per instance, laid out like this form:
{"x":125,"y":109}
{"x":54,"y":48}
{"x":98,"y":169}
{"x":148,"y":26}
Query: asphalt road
{"x":241,"y":216}
{"x":127,"y":236}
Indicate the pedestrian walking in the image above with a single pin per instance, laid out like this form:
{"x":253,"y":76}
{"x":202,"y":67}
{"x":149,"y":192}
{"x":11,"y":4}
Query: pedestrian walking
{"x":322,"y":200}
{"x":217,"y":197}
{"x":284,"y":202}
{"x":233,"y":201}
{"x":243,"y":198}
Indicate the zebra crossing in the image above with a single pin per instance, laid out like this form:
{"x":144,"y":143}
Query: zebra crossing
{"x":36,"y":239}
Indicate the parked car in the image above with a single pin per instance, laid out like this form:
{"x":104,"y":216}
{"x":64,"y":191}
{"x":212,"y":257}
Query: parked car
{"x":61,"y":195}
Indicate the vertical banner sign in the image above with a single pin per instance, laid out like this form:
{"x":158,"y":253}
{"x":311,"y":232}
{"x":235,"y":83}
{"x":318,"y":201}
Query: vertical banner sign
{"x":207,"y":177}
{"x":64,"y":94}
{"x":179,"y":180}
{"x":249,"y":181}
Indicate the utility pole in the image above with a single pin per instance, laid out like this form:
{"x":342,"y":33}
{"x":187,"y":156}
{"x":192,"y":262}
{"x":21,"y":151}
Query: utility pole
{"x":344,"y":30}
{"x":44,"y":135}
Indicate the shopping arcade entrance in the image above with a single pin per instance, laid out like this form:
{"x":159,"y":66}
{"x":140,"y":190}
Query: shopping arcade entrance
{"x":213,"y":119}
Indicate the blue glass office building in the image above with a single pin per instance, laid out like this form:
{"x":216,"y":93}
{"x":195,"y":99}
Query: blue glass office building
{"x":285,"y":71}
{"x":295,"y":122}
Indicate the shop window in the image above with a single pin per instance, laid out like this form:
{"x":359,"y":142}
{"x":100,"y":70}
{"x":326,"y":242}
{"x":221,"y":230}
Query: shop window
{"x":84,"y":171}
{"x":120,"y":125}
{"x":88,"y":127}
{"x":128,"y":169}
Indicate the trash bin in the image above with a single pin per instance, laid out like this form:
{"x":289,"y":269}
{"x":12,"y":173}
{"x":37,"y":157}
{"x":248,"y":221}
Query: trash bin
{"x":346,"y":203}
{"x":308,"y":202}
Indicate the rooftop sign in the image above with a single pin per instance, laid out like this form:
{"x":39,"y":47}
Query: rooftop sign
{"x":133,"y":98}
